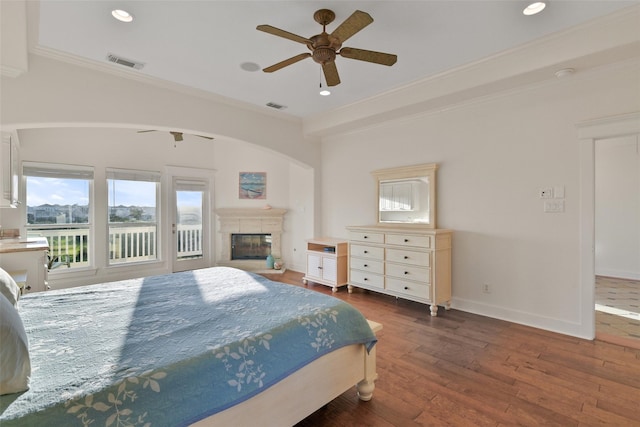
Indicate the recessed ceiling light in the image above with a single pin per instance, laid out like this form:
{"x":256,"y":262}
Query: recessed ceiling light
{"x":535,"y":7}
{"x":122,"y":15}
{"x":250,"y":66}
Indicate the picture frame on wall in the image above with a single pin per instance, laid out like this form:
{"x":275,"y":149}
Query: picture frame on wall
{"x":252,"y":185}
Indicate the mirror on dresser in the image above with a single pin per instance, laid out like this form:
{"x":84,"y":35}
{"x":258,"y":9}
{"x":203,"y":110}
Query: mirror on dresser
{"x":403,"y":254}
{"x":407,"y":195}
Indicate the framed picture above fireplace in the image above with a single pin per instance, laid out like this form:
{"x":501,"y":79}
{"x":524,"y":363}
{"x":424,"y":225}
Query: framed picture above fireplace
{"x":252,"y":185}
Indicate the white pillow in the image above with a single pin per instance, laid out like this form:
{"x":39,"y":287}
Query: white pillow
{"x":15,"y":364}
{"x":9,"y":288}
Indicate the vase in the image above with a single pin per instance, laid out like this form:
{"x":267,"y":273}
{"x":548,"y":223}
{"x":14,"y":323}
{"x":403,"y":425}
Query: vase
{"x":269,"y":261}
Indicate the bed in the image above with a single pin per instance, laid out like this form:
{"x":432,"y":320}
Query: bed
{"x":209,"y":347}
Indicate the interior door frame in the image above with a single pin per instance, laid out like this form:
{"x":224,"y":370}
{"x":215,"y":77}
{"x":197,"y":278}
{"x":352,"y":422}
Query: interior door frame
{"x":589,"y":133}
{"x":178,"y":172}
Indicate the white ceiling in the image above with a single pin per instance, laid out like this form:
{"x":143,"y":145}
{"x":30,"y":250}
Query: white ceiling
{"x":202,"y":44}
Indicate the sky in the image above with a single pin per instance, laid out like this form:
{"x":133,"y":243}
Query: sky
{"x":56,"y":191}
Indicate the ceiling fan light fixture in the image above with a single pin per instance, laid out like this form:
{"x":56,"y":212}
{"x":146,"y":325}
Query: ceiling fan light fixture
{"x":324,"y":92}
{"x":534,"y":8}
{"x":122,"y":15}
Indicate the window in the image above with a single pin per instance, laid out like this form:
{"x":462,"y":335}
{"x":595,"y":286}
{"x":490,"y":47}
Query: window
{"x":59,"y":200}
{"x":133,"y":215}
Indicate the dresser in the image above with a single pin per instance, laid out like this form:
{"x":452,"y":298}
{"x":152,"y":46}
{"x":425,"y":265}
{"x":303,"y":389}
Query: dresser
{"x":410,"y":262}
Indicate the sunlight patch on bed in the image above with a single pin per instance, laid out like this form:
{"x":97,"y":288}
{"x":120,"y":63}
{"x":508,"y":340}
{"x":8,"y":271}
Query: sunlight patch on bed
{"x":248,"y":288}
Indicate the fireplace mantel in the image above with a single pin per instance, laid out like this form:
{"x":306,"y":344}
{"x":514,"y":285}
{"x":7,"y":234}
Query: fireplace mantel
{"x":248,"y":221}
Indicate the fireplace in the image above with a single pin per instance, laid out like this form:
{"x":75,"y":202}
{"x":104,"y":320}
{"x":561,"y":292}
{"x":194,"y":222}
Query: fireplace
{"x":250,"y":221}
{"x":250,"y":246}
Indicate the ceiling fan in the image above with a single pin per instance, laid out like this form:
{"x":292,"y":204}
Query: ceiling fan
{"x":177,"y":136}
{"x":324,"y":47}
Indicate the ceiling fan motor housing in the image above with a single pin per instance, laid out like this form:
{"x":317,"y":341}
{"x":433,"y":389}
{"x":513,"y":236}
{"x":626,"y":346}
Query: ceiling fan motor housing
{"x":323,"y":55}
{"x":323,"y":48}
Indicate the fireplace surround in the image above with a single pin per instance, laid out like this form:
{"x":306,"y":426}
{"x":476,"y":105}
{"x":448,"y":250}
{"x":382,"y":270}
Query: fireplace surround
{"x":249,"y":221}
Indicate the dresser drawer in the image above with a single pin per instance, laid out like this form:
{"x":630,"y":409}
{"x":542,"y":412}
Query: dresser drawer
{"x":409,"y":257}
{"x":366,"y":237}
{"x":365,"y":278}
{"x":418,"y":290}
{"x":370,"y":252}
{"x":408,"y":240}
{"x":369,"y":265}
{"x":408,"y":272}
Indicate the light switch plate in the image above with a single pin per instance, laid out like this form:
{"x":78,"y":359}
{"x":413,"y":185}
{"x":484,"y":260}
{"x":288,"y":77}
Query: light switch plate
{"x":546,"y":193}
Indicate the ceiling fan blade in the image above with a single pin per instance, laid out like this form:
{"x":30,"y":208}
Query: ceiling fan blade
{"x":205,"y":137}
{"x":144,"y":131}
{"x":331,"y":73}
{"x":357,"y":21}
{"x":368,"y":55}
{"x":282,"y":33}
{"x":292,"y":60}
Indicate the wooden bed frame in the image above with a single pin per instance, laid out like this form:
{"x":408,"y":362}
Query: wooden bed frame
{"x":306,"y":390}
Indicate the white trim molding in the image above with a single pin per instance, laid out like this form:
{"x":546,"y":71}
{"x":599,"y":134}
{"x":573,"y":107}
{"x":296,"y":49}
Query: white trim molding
{"x":589,"y":132}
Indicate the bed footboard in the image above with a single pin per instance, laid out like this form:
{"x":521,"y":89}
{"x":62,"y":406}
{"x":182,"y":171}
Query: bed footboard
{"x":306,"y":390}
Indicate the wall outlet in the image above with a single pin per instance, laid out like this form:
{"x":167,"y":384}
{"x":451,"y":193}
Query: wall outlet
{"x":486,"y":288}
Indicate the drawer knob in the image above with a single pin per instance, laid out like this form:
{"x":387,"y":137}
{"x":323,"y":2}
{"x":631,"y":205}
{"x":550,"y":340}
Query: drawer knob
{"x":366,"y":237}
{"x":406,"y":257}
{"x":319,"y":268}
{"x":365,"y":279}
{"x":406,"y":272}
{"x":366,"y":265}
{"x":406,"y":288}
{"x":366,"y":252}
{"x":406,"y":240}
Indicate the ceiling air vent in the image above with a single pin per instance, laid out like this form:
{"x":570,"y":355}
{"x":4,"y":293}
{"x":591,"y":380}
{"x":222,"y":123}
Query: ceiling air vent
{"x":126,"y":62}
{"x":276,"y":106}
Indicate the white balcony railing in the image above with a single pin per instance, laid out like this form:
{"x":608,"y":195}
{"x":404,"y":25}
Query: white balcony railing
{"x":126,"y":244}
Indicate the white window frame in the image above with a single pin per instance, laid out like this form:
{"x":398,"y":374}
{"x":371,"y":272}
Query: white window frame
{"x":63,"y":171}
{"x":134,"y":175}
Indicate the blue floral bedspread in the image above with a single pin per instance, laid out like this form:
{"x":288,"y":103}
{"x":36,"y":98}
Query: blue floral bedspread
{"x":170,"y":350}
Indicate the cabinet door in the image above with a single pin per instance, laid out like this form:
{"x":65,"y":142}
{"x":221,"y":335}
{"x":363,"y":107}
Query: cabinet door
{"x":329,"y":269}
{"x":314,"y":265}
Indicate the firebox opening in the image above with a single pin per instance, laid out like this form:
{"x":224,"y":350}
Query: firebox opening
{"x":250,"y":246}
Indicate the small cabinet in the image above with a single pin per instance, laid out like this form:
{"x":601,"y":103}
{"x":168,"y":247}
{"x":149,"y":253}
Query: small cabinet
{"x":327,"y":261}
{"x":9,"y":177}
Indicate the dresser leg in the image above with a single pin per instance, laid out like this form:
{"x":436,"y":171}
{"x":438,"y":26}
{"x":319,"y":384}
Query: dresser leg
{"x":350,"y":289}
{"x":434,"y":309}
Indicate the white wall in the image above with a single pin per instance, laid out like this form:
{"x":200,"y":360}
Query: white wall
{"x":288,"y":185}
{"x":58,"y":94}
{"x":494,"y":155}
{"x":125,"y":148}
{"x":617,"y":213}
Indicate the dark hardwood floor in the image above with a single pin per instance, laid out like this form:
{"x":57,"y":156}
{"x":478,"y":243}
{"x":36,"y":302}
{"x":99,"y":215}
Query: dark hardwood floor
{"x":461,"y":369}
